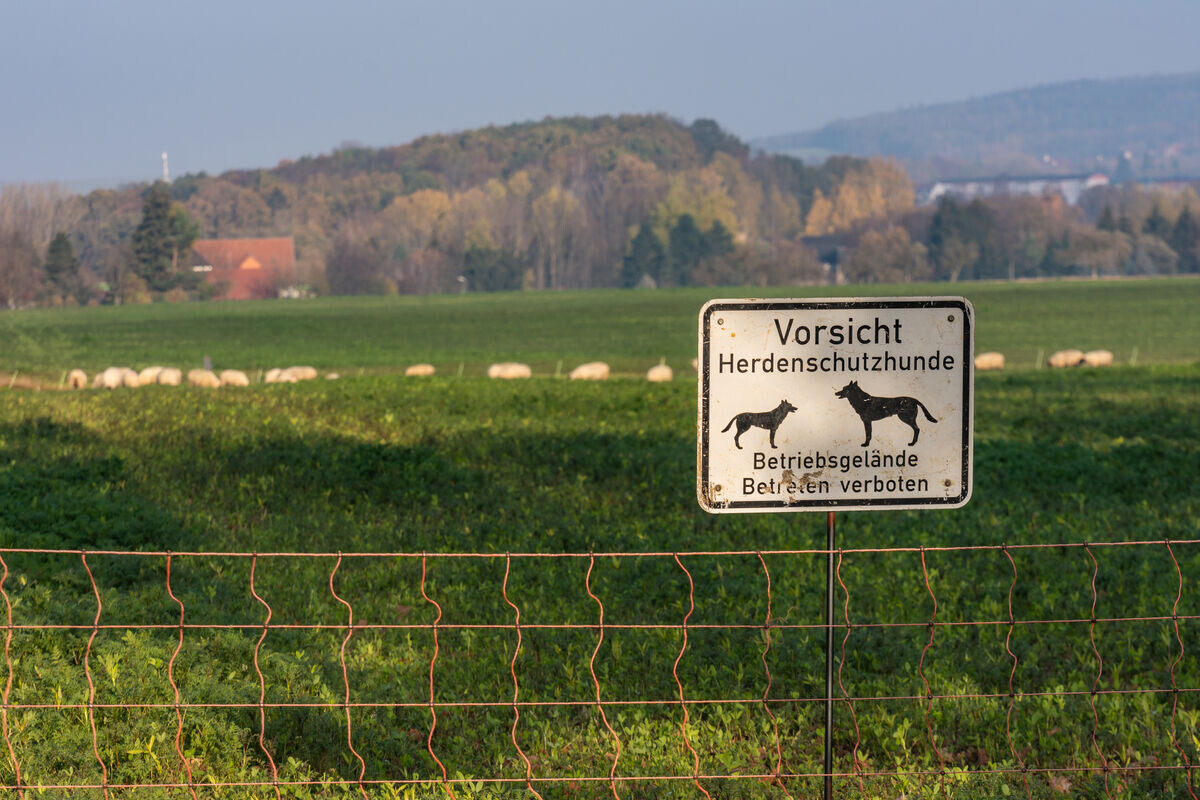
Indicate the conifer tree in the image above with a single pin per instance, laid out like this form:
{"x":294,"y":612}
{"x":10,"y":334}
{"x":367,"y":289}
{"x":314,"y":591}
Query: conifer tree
{"x":61,"y":265}
{"x":1185,"y":241}
{"x":153,"y":248}
{"x":1156,"y":224}
{"x":165,"y":233}
{"x":645,"y":257}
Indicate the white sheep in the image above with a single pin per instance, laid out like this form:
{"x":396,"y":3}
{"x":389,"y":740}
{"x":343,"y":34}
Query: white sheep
{"x":695,"y":364}
{"x":660,"y":373}
{"x":111,"y":378}
{"x":233,"y":377}
{"x":508,"y":370}
{"x":148,"y":376}
{"x":419,"y":371}
{"x":591,"y":371}
{"x":170,"y":376}
{"x":1066,"y":358}
{"x":77,"y":379}
{"x":302,"y":373}
{"x":129,"y":379}
{"x":279,"y":376}
{"x":204,"y":378}
{"x":985,"y":361}
{"x":1098,"y":358}
{"x":332,"y":376}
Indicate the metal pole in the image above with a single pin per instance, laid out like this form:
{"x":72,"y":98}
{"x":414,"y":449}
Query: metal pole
{"x":829,"y":535}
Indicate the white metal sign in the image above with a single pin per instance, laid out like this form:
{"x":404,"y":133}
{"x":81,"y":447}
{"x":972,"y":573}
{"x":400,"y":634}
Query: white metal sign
{"x":827,"y":404}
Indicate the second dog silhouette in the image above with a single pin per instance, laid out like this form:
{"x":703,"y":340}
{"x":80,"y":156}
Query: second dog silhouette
{"x":871,"y":408}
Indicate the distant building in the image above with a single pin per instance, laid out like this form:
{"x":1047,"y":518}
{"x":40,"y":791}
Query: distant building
{"x":1171,"y":183}
{"x":246,"y":269}
{"x":1070,"y":187}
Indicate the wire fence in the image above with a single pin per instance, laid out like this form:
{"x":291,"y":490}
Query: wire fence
{"x":605,"y":698}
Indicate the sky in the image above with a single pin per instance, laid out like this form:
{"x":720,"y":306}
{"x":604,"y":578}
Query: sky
{"x":91,"y":93}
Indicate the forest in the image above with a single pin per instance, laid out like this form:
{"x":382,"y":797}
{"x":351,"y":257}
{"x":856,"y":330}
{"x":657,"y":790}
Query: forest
{"x":581,"y":202}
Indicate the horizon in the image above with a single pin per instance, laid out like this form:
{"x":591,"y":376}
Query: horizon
{"x":292,"y":80}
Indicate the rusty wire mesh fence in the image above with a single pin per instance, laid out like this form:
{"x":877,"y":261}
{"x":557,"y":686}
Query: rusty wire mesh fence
{"x":602,"y":674}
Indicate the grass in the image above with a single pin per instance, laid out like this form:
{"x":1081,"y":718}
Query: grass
{"x":383,"y":464}
{"x":552,"y":331}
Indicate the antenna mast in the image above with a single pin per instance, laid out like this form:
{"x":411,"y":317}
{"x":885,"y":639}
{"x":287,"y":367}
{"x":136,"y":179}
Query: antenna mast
{"x":166,"y":172}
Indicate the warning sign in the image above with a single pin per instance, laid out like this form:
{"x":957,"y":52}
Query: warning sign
{"x":828,"y":404}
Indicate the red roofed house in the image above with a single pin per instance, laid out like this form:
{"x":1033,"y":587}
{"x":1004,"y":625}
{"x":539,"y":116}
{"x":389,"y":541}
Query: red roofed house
{"x":246,"y":269}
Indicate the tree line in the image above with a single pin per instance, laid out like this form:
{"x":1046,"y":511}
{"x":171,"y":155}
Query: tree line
{"x":635,"y":200}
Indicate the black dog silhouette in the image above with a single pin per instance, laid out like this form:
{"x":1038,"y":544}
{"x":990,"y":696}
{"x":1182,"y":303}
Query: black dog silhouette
{"x":872,"y":408}
{"x":770,"y":420}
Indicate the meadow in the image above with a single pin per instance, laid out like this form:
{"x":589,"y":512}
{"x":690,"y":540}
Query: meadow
{"x":378,"y":463}
{"x":554,"y":331}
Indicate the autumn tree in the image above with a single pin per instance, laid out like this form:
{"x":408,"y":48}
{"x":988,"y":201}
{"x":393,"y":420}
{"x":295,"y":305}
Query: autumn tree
{"x":556,"y":221}
{"x":887,"y":257}
{"x":700,"y":194}
{"x":19,"y":269}
{"x":1151,"y":256}
{"x":355,"y":264}
{"x":1097,"y":252}
{"x":224,"y":209}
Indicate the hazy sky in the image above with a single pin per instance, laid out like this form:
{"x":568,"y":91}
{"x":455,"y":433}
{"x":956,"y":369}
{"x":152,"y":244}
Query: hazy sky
{"x":92,"y":92}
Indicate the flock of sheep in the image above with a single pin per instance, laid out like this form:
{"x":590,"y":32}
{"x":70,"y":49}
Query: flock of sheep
{"x":123,"y":377}
{"x":1059,"y":360}
{"x":118,"y":377}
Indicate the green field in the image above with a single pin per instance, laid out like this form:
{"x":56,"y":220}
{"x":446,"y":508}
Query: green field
{"x":384,"y":464}
{"x":630,"y":329}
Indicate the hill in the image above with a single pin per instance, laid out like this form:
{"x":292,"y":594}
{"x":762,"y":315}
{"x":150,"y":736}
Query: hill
{"x":1156,"y":118}
{"x":577,"y":202}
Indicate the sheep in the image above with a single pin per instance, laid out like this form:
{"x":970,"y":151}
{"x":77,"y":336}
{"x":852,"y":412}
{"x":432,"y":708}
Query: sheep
{"x":77,"y":379}
{"x":169,"y":376}
{"x":233,"y":377}
{"x":591,"y":371}
{"x":508,"y":370}
{"x":302,"y":373}
{"x":111,"y":378}
{"x":419,"y":371}
{"x":129,"y":379}
{"x":148,"y":376}
{"x":204,"y":378}
{"x":1098,"y":358}
{"x":332,"y":376}
{"x":1066,"y":358}
{"x":660,"y":373}
{"x":985,"y":361}
{"x":279,"y":376}
{"x":696,"y":364}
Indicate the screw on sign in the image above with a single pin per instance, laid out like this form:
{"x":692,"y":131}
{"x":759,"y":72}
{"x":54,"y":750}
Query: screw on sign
{"x":821,"y":405}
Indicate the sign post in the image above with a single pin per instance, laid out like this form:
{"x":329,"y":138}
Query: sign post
{"x":828,"y":404}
